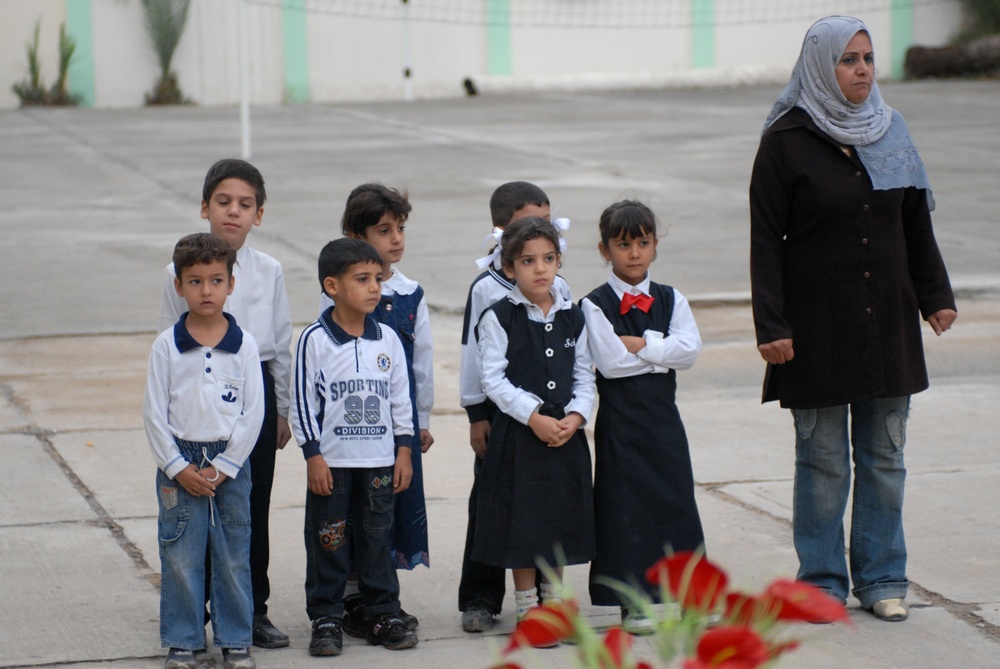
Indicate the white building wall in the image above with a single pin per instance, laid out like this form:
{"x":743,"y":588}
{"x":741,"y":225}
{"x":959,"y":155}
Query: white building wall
{"x":352,"y":58}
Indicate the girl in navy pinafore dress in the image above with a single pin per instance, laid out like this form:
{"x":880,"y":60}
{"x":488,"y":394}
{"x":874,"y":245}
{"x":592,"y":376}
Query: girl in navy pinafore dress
{"x":640,"y":332}
{"x":536,"y":495}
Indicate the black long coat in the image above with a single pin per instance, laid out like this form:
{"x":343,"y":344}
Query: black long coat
{"x":843,"y":270}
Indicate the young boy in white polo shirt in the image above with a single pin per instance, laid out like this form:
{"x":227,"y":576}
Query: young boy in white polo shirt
{"x":351,"y":414}
{"x":233,"y":203}
{"x":203,"y":409}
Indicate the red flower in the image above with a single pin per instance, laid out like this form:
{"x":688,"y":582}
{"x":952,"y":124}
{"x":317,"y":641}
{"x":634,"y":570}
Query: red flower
{"x":544,"y":626}
{"x":694,"y":581}
{"x":744,"y":609}
{"x":804,"y":601}
{"x":506,"y":665}
{"x":617,"y":642}
{"x":733,"y":647}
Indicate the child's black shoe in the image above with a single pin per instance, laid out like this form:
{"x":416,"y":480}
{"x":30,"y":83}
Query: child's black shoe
{"x":389,"y":631}
{"x":408,"y":619}
{"x":354,"y":616}
{"x":327,"y":637}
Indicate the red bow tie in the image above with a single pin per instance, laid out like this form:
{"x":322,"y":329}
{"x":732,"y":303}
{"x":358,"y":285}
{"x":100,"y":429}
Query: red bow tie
{"x":643,"y":302}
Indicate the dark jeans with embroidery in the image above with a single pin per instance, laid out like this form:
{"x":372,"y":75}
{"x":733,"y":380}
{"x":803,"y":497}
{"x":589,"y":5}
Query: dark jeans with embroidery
{"x":365,"y":497}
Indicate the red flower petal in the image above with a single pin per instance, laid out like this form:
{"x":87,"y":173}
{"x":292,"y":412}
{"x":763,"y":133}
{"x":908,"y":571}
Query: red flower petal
{"x":618,"y":642}
{"x":545,"y":626}
{"x":804,"y":601}
{"x":731,"y":647}
{"x":702,"y":582}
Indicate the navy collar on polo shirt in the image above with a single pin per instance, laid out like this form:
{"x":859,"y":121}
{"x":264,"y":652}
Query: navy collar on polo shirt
{"x":337,"y":333}
{"x":230,"y":343}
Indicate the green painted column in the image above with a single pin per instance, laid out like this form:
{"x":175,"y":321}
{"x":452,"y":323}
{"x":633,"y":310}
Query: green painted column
{"x":499,"y":59}
{"x":81,"y":68}
{"x":296,"y":50}
{"x":702,"y":34}
{"x":902,"y":35}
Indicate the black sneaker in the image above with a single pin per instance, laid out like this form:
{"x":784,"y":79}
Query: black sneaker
{"x":409,"y":620}
{"x":354,"y":616}
{"x":327,"y":637}
{"x":266,"y":635}
{"x":390,"y":631}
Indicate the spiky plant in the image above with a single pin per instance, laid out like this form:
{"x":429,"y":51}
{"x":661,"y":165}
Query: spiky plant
{"x":59,"y":95}
{"x":31,"y":91}
{"x":164,"y":21}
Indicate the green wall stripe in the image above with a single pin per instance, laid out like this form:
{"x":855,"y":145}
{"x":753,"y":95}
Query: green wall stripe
{"x":702,"y":34}
{"x":81,"y":68}
{"x":902,"y":35}
{"x":296,"y":50}
{"x":499,"y":59}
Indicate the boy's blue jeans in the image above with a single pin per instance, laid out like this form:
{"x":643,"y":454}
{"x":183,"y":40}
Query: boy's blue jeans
{"x":188,"y":527}
{"x":822,"y":484}
{"x":356,"y":517}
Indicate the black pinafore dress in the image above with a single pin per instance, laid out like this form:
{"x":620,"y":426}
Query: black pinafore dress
{"x":643,"y":483}
{"x":533,"y":498}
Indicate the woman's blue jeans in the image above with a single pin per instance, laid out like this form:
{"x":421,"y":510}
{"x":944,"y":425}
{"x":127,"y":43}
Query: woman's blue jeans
{"x":823,"y":456}
{"x":188,"y":526}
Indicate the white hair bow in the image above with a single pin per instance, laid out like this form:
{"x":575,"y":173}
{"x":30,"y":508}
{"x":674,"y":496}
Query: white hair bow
{"x":562,"y":225}
{"x":493,"y":258}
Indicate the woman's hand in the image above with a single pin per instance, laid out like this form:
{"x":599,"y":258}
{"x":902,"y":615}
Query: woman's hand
{"x":942,"y":320}
{"x":777,"y":352}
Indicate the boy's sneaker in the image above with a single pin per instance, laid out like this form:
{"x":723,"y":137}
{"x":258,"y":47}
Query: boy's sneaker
{"x":178,"y":658}
{"x":389,"y":631}
{"x":354,"y":616}
{"x":204,"y":658}
{"x":327,"y":637}
{"x":238,"y":658}
{"x":477,"y":620}
{"x":409,"y":620}
{"x":636,"y":622}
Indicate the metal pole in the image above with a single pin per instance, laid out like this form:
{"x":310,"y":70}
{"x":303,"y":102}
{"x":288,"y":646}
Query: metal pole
{"x":407,"y":55}
{"x":244,"y":80}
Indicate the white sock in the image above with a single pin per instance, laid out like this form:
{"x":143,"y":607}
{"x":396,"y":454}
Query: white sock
{"x":524,"y":600}
{"x":550,"y":593}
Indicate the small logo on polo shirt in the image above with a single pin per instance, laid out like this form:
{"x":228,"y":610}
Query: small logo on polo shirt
{"x":383,"y":362}
{"x":229,"y":397}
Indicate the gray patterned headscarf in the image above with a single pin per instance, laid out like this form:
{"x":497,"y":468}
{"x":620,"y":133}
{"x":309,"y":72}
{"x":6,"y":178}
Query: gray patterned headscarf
{"x":878,"y":133}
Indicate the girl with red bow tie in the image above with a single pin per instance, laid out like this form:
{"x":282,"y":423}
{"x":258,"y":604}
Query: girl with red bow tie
{"x":640,"y":332}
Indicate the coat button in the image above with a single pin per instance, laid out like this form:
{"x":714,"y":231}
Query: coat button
{"x":864,"y":240}
{"x":548,"y":327}
{"x":868,"y":275}
{"x":551,"y":385}
{"x":208,"y":370}
{"x":866,"y":207}
{"x":388,"y":306}
{"x":549,"y":353}
{"x":857,"y":174}
{"x":868,"y":310}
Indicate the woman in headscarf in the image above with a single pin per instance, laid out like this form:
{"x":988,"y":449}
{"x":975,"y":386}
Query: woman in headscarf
{"x":843,"y":264}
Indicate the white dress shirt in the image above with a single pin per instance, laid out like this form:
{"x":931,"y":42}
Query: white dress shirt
{"x":516,"y":402}
{"x":663,"y":352}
